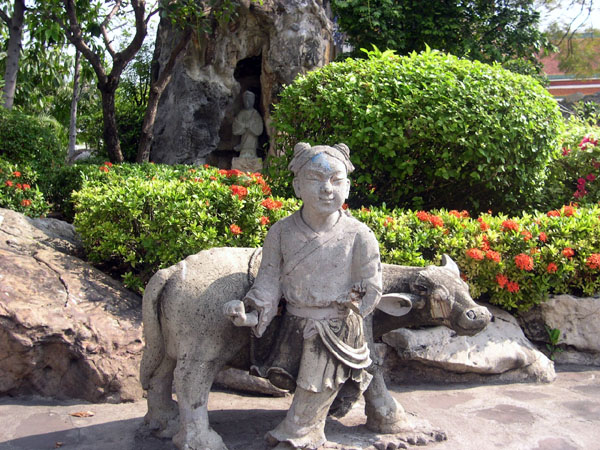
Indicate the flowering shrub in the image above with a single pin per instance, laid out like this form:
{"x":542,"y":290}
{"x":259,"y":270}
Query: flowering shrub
{"x":19,"y":191}
{"x":574,"y":173}
{"x":140,"y":218}
{"x":513,"y":262}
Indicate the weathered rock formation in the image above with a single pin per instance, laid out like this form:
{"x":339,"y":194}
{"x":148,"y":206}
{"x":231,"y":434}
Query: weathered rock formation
{"x":577,"y":320}
{"x":499,"y":353}
{"x":66,"y":329}
{"x":262,"y":50}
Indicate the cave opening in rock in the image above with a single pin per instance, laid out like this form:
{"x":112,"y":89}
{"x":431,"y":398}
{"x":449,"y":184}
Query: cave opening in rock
{"x":247,"y":73}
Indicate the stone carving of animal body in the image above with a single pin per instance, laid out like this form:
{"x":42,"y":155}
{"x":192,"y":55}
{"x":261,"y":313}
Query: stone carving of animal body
{"x":189,"y":339}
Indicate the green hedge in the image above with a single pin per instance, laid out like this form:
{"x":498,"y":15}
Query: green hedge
{"x":37,"y":142}
{"x":140,"y":218}
{"x":426,"y":130}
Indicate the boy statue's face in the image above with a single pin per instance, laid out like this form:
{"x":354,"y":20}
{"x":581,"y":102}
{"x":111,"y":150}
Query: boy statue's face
{"x":322,"y":184}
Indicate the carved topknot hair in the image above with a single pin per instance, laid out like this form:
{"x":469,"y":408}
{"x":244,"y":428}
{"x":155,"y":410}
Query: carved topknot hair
{"x":303,"y":153}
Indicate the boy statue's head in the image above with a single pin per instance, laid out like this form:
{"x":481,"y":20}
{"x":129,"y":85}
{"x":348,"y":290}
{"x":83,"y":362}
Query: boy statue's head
{"x":321,"y":176}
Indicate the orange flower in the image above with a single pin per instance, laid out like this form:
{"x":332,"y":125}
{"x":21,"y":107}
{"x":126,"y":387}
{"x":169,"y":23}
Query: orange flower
{"x":234,"y":172}
{"x":568,"y":210}
{"x":475,"y":253}
{"x":568,"y":252}
{"x":235,"y":229}
{"x":524,"y":262}
{"x":264,"y":220}
{"x":423,"y":216}
{"x":554,"y":213}
{"x":103,"y":169}
{"x":223,"y":172}
{"x":16,"y":174}
{"x":482,"y":225}
{"x":266,"y":189}
{"x":25,"y":202}
{"x":543,"y":237}
{"x":492,"y":255}
{"x":510,"y":224}
{"x":526,"y":235}
{"x":593,"y":261}
{"x":512,"y":286}
{"x":19,"y":186}
{"x":240,"y":191}
{"x":9,"y":183}
{"x":270,"y":203}
{"x":26,"y":186}
{"x":206,"y":166}
{"x":388,"y":221}
{"x":213,"y":178}
{"x":502,"y":280}
{"x":436,"y":221}
{"x":551,"y":268}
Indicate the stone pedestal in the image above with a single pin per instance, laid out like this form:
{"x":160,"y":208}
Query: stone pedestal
{"x":247,"y":164}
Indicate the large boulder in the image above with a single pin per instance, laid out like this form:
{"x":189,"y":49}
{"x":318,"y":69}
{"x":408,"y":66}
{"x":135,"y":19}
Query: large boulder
{"x":577,"y":320}
{"x":264,"y":48}
{"x":66,"y":329}
{"x":499,"y":353}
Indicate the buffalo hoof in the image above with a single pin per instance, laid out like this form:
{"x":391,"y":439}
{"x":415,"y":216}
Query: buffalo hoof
{"x":408,"y":432}
{"x":195,"y":440}
{"x":163,"y":423}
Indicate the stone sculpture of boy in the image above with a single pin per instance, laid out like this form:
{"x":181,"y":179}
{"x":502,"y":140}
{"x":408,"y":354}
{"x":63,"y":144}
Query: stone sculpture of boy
{"x":326,"y":265}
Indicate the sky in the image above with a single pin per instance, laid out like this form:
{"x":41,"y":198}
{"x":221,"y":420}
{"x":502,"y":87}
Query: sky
{"x":566,"y":13}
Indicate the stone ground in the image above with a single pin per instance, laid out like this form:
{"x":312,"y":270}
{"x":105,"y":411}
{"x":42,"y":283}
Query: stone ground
{"x":563,"y":415}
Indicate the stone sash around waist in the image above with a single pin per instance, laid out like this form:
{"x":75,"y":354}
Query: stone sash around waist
{"x":334,"y":311}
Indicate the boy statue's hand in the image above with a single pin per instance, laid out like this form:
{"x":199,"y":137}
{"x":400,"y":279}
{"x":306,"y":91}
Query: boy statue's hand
{"x":235,"y":311}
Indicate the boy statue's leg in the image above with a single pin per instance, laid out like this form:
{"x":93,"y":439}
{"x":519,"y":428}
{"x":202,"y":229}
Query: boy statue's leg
{"x":304,"y":424}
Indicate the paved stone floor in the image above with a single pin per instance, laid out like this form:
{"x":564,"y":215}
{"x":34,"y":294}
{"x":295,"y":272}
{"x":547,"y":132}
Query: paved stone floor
{"x":562,"y":415}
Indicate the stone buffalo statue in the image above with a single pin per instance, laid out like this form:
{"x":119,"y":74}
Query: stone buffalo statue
{"x":189,"y":339}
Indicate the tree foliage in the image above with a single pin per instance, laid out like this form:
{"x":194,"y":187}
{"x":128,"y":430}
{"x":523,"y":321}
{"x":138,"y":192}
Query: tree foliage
{"x":482,"y":30}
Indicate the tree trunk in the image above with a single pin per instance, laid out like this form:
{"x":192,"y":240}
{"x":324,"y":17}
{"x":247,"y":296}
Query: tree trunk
{"x":157,"y":88}
{"x":13,"y":53}
{"x":74,"y":101}
{"x":110,"y":132}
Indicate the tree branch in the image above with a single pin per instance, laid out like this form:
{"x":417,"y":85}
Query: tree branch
{"x":5,"y":18}
{"x":122,"y":58}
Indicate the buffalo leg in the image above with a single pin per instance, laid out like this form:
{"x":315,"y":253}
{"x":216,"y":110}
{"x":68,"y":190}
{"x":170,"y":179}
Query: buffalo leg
{"x":384,"y":414}
{"x":162,"y":409}
{"x":193,"y":380}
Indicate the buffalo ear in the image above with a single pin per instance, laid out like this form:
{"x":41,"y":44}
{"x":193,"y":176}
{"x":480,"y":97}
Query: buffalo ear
{"x":449,"y":263}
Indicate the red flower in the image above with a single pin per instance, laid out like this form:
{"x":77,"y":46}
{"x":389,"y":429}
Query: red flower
{"x":223,"y":172}
{"x":593,"y":261}
{"x":264,"y":220}
{"x":502,"y":280}
{"x":26,"y":186}
{"x":524,"y":262}
{"x":388,"y":221}
{"x":103,"y":169}
{"x":543,"y":237}
{"x":554,"y":213}
{"x":108,"y":163}
{"x":206,"y":166}
{"x":526,"y":235}
{"x":235,"y":229}
{"x":510,"y":224}
{"x":590,"y":177}
{"x":568,"y":252}
{"x":25,"y":202}
{"x":9,"y":183}
{"x":16,"y":174}
{"x":568,"y":210}
{"x":436,"y":221}
{"x":213,"y":178}
{"x":19,"y":186}
{"x":475,"y":253}
{"x":492,"y":255}
{"x":551,"y":268}
{"x":512,"y":286}
{"x":269,"y":203}
{"x":266,"y":189}
{"x":345,"y":206}
{"x":482,"y":225}
{"x":423,"y":216}
{"x":240,"y":191}
{"x":566,"y":151}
